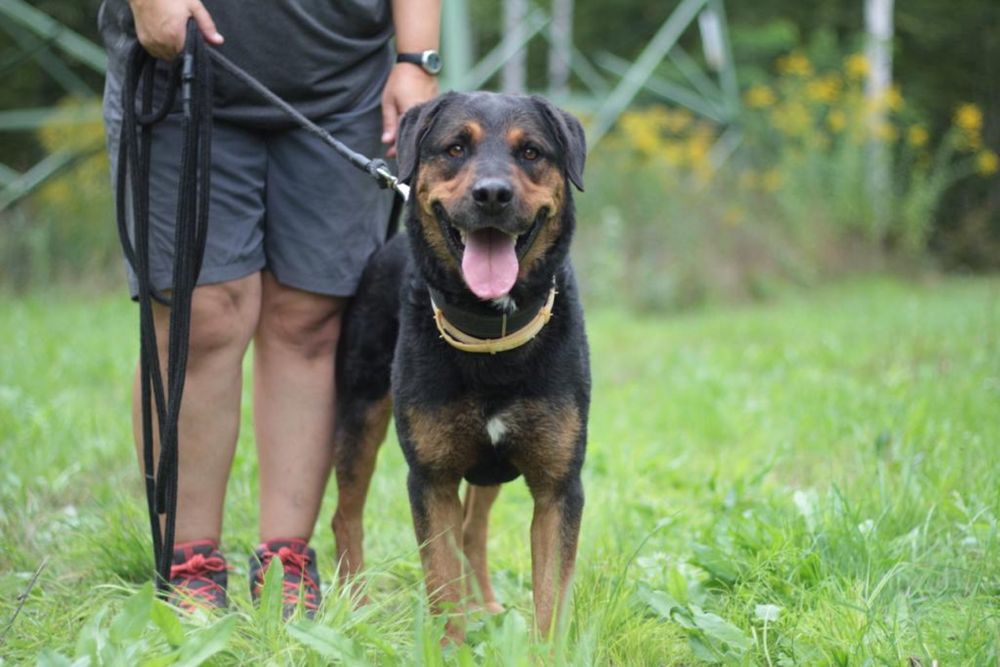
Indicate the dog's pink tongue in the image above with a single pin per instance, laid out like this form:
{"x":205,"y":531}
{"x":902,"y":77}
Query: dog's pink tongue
{"x":489,"y":263}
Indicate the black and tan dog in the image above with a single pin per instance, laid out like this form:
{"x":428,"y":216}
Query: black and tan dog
{"x":474,"y":317}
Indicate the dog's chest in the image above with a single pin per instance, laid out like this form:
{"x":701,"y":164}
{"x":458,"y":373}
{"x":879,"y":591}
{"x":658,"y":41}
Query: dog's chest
{"x":525,"y":434}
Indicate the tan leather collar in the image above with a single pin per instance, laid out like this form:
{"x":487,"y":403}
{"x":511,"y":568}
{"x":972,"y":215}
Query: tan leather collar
{"x":460,"y":340}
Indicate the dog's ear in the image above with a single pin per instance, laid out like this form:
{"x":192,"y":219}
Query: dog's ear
{"x":569,"y":135}
{"x":413,"y":127}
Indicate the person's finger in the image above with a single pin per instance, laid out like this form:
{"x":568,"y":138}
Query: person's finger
{"x":205,"y":23}
{"x":390,"y":120}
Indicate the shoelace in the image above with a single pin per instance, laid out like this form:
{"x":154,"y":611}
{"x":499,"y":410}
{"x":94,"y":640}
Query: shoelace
{"x":197,"y":569}
{"x":296,"y":579}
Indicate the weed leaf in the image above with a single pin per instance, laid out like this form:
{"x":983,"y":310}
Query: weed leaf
{"x":133,"y":617}
{"x":166,"y":620}
{"x":328,"y":642}
{"x":205,"y":643}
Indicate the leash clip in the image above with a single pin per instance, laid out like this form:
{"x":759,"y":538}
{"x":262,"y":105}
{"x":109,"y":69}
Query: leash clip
{"x":386,"y":179}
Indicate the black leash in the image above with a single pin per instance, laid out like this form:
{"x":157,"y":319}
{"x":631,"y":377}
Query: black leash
{"x":192,"y":74}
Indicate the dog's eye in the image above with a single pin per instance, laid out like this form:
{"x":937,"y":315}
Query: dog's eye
{"x":456,"y":150}
{"x":530,"y":153}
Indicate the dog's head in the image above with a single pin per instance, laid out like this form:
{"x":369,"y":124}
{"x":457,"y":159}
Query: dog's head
{"x":490,"y":179}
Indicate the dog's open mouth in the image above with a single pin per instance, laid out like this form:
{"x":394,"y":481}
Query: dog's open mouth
{"x":489,"y":257}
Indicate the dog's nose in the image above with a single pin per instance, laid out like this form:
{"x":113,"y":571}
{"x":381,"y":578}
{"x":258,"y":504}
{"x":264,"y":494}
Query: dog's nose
{"x":492,"y":194}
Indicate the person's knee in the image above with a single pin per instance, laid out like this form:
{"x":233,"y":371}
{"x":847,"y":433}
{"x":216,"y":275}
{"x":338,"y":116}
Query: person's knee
{"x":223,"y":319}
{"x":304,"y":323}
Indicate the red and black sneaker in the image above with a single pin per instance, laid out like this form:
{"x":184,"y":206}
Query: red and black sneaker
{"x":301,"y":582}
{"x":198,"y":576}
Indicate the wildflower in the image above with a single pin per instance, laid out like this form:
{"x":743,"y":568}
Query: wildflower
{"x":795,"y":64}
{"x":760,"y":97}
{"x":678,"y":121}
{"x":856,"y":66}
{"x":969,"y":118}
{"x":987,"y":162}
{"x":791,"y":119}
{"x":641,"y":134}
{"x":836,"y":120}
{"x":771,"y":180}
{"x":733,"y":216}
{"x":824,"y":89}
{"x":894,"y":98}
{"x":917,"y":136}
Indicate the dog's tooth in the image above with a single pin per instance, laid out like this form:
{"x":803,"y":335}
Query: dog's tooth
{"x":462,"y":234}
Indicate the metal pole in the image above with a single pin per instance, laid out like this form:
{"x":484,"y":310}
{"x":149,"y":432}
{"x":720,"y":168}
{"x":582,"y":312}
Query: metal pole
{"x":513,"y":76}
{"x":560,"y":47}
{"x":878,"y":24}
{"x":643,"y":68}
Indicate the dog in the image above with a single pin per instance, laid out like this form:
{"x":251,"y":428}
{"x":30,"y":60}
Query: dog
{"x":468,"y":328}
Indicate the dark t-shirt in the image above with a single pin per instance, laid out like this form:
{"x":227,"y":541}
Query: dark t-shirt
{"x":323,"y":56}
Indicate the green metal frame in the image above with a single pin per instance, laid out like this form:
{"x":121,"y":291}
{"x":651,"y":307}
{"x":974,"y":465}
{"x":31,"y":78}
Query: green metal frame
{"x":39,"y":37}
{"x":612,"y":83}
{"x":712,"y":95}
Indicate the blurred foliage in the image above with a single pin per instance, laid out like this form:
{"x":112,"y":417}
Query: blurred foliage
{"x":802,"y":159}
{"x":793,"y":205}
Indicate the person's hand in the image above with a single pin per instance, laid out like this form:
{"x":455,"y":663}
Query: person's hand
{"x":408,"y":86}
{"x":161,"y":25}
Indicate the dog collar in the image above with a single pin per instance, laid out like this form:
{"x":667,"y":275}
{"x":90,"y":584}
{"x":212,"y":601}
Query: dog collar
{"x":471,"y":332}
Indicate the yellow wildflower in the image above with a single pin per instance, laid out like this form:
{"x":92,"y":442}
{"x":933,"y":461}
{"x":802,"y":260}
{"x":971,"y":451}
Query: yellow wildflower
{"x":795,"y":64}
{"x":641,"y":134}
{"x":791,"y":119}
{"x":836,"y":120}
{"x":825,"y":89}
{"x":678,"y":120}
{"x":673,"y":153}
{"x":771,"y":180}
{"x":760,"y":97}
{"x":969,"y":118}
{"x":894,"y":98}
{"x":987,"y":162}
{"x":917,"y":136}
{"x":856,"y":66}
{"x":733,"y":216}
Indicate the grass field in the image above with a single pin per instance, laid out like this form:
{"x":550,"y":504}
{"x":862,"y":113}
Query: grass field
{"x":812,"y":481}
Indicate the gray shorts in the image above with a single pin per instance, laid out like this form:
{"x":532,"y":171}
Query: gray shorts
{"x":281,"y":201}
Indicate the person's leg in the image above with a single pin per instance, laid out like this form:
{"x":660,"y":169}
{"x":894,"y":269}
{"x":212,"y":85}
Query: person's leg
{"x":223,"y":319}
{"x":294,"y":352}
{"x":324,"y":219}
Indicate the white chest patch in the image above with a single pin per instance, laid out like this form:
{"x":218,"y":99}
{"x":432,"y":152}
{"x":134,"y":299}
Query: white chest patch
{"x":496,"y":429}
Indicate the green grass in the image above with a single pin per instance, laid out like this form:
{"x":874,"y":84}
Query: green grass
{"x":810,"y":481}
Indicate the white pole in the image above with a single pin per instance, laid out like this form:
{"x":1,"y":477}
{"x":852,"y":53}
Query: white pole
{"x":513,"y":78}
{"x":561,"y":47}
{"x":878,"y":25}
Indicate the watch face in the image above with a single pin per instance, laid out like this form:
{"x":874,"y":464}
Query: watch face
{"x":431,"y":61}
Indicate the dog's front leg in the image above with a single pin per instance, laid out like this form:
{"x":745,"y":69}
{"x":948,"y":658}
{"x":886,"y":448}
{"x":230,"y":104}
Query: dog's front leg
{"x":478,"y":501}
{"x":555,"y":529}
{"x":437,"y":519}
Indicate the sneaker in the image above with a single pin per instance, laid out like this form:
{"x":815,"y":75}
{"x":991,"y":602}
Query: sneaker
{"x":301,"y":578}
{"x":198,"y":576}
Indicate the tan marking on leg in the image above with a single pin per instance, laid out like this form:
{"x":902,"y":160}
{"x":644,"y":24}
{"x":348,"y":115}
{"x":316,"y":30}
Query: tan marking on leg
{"x":440,"y":554}
{"x":553,"y":555}
{"x":354,"y":467}
{"x":478,"y":501}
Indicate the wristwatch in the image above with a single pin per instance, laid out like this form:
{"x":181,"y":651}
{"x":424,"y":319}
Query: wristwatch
{"x":429,"y":60}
